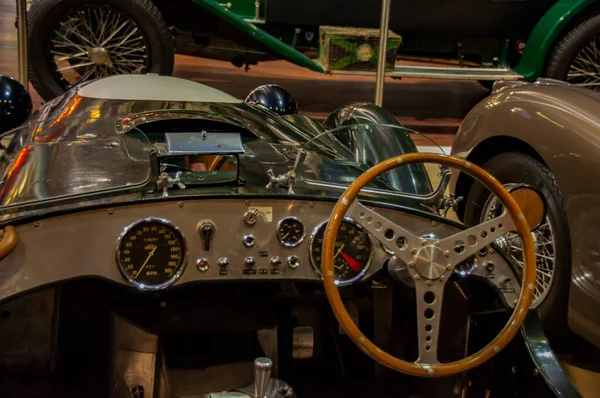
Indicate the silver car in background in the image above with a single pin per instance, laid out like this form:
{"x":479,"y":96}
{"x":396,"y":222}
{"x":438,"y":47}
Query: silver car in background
{"x":545,"y":135}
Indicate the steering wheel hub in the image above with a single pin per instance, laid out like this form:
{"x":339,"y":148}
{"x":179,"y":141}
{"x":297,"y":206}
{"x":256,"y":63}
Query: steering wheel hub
{"x":430,"y":262}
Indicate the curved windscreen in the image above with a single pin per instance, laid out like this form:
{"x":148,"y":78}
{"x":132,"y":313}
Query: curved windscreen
{"x":81,"y":149}
{"x":366,"y":144}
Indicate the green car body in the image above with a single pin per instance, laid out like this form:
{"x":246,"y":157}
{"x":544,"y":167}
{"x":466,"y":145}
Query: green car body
{"x":483,"y":40}
{"x":556,"y":19}
{"x":545,"y":33}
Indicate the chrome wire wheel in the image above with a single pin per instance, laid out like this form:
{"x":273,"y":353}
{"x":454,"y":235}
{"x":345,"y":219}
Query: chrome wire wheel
{"x":543,"y":239}
{"x":584,"y":70}
{"x":96,"y":41}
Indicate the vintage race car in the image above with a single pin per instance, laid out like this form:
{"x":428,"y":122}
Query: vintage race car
{"x":544,"y":135}
{"x":158,"y":235}
{"x":72,"y":41}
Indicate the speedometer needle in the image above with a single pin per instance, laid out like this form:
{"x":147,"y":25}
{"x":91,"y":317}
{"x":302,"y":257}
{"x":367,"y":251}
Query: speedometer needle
{"x":146,"y":262}
{"x":339,"y":251}
{"x":354,"y":264}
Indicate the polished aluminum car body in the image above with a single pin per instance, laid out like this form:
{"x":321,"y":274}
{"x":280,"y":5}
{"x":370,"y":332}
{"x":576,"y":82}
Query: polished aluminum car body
{"x":91,"y":182}
{"x":87,"y":143}
{"x":558,"y":125}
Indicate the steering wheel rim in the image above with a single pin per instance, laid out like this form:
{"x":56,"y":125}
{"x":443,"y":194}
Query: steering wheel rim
{"x":513,"y":213}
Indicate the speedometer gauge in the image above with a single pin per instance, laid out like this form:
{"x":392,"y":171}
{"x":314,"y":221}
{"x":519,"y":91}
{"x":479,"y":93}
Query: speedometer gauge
{"x":352,"y":255}
{"x":151,"y":253}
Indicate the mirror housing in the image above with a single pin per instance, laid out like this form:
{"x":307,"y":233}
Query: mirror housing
{"x":15,"y":103}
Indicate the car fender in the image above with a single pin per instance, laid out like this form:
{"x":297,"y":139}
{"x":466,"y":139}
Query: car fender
{"x":545,"y":32}
{"x":561,"y":126}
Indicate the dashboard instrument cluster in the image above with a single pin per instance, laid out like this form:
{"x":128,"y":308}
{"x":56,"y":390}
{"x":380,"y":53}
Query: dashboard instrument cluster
{"x":155,"y":245}
{"x":152,"y":252}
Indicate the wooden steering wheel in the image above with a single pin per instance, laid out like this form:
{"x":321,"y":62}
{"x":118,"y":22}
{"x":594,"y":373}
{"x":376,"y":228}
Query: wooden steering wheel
{"x":430,"y":262}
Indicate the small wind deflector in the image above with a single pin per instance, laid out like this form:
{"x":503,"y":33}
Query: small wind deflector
{"x":198,"y":158}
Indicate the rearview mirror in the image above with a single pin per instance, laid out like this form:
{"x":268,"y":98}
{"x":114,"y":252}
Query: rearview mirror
{"x":532,"y":204}
{"x":15,"y":103}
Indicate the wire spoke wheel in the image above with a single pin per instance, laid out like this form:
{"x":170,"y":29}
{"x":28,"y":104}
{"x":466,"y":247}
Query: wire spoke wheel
{"x":543,"y":239}
{"x":584,"y":70}
{"x":96,"y":41}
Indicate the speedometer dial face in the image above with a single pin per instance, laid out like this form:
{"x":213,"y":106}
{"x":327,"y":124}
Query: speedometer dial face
{"x":290,"y":231}
{"x":151,"y":253}
{"x":352,"y":255}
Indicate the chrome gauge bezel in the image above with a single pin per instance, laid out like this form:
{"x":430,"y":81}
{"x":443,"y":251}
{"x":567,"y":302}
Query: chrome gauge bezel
{"x":170,"y":281}
{"x":362,"y":272}
{"x":277,"y":233}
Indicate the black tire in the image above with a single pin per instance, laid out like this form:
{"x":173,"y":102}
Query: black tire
{"x":44,"y":18}
{"x":565,"y":50}
{"x":515,"y":167}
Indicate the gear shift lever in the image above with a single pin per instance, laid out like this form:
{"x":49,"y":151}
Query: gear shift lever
{"x":262,"y":376}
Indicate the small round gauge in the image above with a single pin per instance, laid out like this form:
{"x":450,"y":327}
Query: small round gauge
{"x":290,"y":231}
{"x":151,"y":253}
{"x":353,"y":251}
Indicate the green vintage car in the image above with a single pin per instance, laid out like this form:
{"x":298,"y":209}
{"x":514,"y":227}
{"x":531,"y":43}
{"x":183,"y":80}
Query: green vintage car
{"x":486,"y":40}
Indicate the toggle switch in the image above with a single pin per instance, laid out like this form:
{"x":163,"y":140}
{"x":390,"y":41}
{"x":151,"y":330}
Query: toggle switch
{"x":206,"y":229}
{"x":250,"y":262}
{"x":275,"y":261}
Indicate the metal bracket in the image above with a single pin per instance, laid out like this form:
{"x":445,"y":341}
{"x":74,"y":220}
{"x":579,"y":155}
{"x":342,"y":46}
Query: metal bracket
{"x":450,"y":202}
{"x":544,"y":358}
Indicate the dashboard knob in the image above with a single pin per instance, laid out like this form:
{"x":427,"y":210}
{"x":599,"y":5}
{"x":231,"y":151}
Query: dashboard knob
{"x":293,"y":262}
{"x":249,"y":241}
{"x":202,"y":264}
{"x":275,"y":261}
{"x":250,"y":262}
{"x":505,"y":282}
{"x":251,"y":217}
{"x":223,"y":262}
{"x":489,"y":266}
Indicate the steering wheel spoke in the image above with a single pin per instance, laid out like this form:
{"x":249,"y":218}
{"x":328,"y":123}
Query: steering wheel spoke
{"x":395,"y":238}
{"x":466,"y":243}
{"x":429,"y":310}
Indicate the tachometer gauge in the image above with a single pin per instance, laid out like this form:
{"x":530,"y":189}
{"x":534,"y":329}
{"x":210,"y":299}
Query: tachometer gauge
{"x":151,"y":253}
{"x":352,"y":255}
{"x":290,"y":231}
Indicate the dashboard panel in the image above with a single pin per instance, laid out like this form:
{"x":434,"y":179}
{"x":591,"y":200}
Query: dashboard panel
{"x":223,"y":240}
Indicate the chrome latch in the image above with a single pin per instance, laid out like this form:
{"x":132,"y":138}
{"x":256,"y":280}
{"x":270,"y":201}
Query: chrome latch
{"x":165,"y":181}
{"x":288,"y":179}
{"x":450,"y":202}
{"x":285,"y":180}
